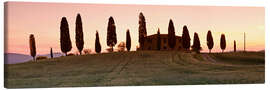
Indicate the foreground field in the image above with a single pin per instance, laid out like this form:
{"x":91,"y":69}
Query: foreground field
{"x":138,"y":68}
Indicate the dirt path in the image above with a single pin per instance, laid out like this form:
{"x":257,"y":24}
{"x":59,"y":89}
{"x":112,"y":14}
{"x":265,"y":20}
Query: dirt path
{"x":208,"y":58}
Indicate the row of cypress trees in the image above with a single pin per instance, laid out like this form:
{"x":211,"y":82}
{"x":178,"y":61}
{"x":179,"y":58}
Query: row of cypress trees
{"x":66,"y":42}
{"x":66,"y":45}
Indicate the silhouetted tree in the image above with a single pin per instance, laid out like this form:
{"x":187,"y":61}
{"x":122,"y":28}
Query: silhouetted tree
{"x":32,"y":45}
{"x":111,"y":33}
{"x":222,"y":42}
{"x":185,"y":38}
{"x":210,"y":42}
{"x":97,"y":43}
{"x":142,"y":29}
{"x":64,"y":36}
{"x":196,"y":43}
{"x":79,"y":34}
{"x":171,"y":34}
{"x":51,"y":52}
{"x":234,"y":46}
{"x":158,"y":40}
{"x":128,"y":41}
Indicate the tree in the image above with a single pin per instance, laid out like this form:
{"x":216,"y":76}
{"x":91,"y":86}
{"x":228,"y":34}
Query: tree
{"x":185,"y":38}
{"x":128,"y":41}
{"x":222,"y":42}
{"x":142,"y":29}
{"x":51,"y":52}
{"x":97,"y":43}
{"x":32,"y":45}
{"x":234,"y":46}
{"x":196,"y":43}
{"x":111,"y":33}
{"x":79,"y":34}
{"x":64,"y":36}
{"x":171,"y":34}
{"x":158,"y":40}
{"x":210,"y":42}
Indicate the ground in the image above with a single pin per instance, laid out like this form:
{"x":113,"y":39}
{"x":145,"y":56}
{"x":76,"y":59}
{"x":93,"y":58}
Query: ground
{"x":139,"y":68}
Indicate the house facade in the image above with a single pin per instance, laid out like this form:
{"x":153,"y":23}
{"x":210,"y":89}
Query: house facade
{"x":150,"y":43}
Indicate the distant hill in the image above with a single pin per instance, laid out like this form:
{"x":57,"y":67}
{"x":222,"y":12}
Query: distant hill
{"x":13,"y":58}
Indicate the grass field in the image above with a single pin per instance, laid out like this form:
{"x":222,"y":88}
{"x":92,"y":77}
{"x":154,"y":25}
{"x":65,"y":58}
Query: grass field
{"x":138,"y":68}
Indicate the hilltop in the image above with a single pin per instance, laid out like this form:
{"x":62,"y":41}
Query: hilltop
{"x":138,"y":68}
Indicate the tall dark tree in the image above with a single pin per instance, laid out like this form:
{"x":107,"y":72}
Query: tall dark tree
{"x":185,"y":38}
{"x":128,"y":41}
{"x":196,"y":43}
{"x":234,"y":46}
{"x":97,"y":43}
{"x":51,"y":52}
{"x":111,"y":33}
{"x":32,"y":45}
{"x":223,"y":42}
{"x":171,"y":34}
{"x":64,"y":36}
{"x":142,"y":29}
{"x":158,"y":40}
{"x":210,"y":42}
{"x":79,"y":34}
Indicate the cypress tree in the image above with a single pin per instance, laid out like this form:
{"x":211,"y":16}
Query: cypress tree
{"x":97,"y":43}
{"x":64,"y":36}
{"x":234,"y":46}
{"x":171,"y":34}
{"x":222,"y":42}
{"x":51,"y":52}
{"x":210,"y":42}
{"x":185,"y":38}
{"x":111,"y":33}
{"x":79,"y":34}
{"x":128,"y":41}
{"x":32,"y":45}
{"x":158,"y":40}
{"x":196,"y":43}
{"x":142,"y":30}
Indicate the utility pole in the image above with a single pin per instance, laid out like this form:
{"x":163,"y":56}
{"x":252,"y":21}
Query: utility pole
{"x":244,"y":41}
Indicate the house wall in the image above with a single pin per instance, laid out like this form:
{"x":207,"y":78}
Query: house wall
{"x":151,"y":43}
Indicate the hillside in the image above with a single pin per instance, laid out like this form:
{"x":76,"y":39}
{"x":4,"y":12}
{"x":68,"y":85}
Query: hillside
{"x":138,"y":68}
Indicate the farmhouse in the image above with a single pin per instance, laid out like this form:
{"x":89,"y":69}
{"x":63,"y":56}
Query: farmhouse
{"x":150,"y":42}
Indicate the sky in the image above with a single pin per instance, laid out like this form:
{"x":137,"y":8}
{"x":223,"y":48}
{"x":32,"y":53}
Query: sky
{"x":43,"y":20}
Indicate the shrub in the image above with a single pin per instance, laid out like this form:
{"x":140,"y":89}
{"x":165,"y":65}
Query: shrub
{"x":71,"y":54}
{"x":87,"y":51}
{"x":121,"y":46}
{"x":41,"y":57}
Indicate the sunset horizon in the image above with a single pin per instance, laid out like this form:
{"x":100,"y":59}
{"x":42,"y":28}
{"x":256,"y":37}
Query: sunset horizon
{"x":94,"y":45}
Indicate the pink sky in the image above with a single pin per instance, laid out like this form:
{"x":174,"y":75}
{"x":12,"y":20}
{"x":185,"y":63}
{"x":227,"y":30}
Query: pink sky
{"x":43,"y":20}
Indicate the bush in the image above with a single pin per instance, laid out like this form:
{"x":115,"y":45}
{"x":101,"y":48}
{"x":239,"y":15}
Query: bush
{"x":87,"y":51}
{"x":41,"y":57}
{"x":121,"y":47}
{"x":71,"y":54}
